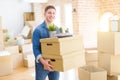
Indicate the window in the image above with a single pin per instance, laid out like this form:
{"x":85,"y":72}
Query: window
{"x":104,"y":21}
{"x":68,"y":17}
{"x":57,"y":19}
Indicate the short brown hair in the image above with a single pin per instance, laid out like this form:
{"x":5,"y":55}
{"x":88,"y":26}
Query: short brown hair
{"x":49,"y":7}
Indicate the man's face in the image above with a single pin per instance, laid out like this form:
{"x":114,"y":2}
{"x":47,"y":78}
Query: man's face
{"x":50,"y":15}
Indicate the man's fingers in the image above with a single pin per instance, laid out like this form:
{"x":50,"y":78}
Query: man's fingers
{"x":50,"y":69}
{"x":50,"y":66}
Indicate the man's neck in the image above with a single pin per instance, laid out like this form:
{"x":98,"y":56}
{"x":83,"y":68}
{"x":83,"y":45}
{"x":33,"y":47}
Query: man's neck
{"x":48,"y":23}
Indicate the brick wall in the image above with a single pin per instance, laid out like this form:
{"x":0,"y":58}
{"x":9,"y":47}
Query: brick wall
{"x":86,"y":20}
{"x":110,"y":6}
{"x":88,"y":13}
{"x":76,"y":22}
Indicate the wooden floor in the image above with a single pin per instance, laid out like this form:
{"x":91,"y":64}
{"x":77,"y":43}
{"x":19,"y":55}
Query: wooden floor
{"x":24,"y":73}
{"x":21,"y":73}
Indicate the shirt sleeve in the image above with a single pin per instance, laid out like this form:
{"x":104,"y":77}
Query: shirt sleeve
{"x":38,"y":57}
{"x":36,"y":44}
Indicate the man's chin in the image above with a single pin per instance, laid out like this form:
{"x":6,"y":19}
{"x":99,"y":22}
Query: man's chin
{"x":51,"y":21}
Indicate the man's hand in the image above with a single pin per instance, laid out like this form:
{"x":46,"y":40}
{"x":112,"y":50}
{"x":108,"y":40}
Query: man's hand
{"x":46,"y":64}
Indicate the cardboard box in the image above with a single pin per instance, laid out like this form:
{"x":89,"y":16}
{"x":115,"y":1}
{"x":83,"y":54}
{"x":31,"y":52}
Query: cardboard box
{"x":66,"y":62}
{"x":91,"y":55}
{"x":27,"y":54}
{"x":109,"y":42}
{"x":111,"y":63}
{"x":92,"y":63}
{"x":60,"y":46}
{"x":114,"y":77}
{"x":12,"y":49}
{"x":29,"y":61}
{"x":25,"y":48}
{"x":29,"y":16}
{"x":92,"y":73}
{"x":27,"y":41}
{"x":6,"y":66}
{"x":17,"y":60}
{"x":16,"y":56}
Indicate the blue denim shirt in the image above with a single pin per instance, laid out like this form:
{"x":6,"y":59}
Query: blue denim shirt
{"x":40,"y":32}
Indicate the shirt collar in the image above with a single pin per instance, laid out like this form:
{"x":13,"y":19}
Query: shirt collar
{"x":44,"y":25}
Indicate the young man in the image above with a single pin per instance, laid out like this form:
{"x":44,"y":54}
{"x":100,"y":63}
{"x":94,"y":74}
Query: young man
{"x":42,"y":32}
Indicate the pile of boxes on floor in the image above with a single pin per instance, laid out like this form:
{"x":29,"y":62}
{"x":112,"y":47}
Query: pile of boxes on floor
{"x":109,"y":49}
{"x":109,"y":53}
{"x":22,"y":55}
{"x":16,"y":59}
{"x":13,"y":56}
{"x":67,"y":53}
{"x":28,"y":57}
{"x":92,"y":71}
{"x":91,"y":56}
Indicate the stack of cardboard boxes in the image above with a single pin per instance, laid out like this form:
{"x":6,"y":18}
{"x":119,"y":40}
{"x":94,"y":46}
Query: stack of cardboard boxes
{"x":64,"y":53}
{"x":91,"y":56}
{"x":109,"y":53}
{"x":16,"y":56}
{"x":92,"y":71}
{"x":27,"y":53}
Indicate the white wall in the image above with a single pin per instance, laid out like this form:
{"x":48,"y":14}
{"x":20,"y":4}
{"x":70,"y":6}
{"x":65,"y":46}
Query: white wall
{"x":12,"y":14}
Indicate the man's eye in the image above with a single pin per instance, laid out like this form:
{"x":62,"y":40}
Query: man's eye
{"x":50,"y":13}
